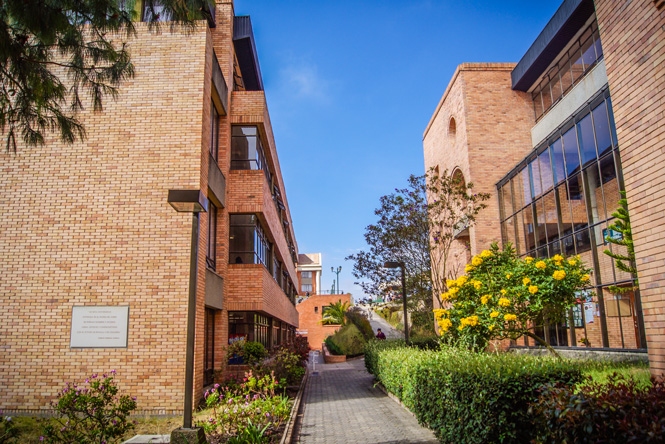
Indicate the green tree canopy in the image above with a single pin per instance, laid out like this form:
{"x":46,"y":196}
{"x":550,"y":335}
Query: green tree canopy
{"x":52,"y":51}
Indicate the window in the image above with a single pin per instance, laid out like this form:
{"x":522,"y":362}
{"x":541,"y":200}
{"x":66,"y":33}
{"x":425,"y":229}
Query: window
{"x":214,"y":131}
{"x":209,"y":346}
{"x":306,"y":287}
{"x":306,"y":274}
{"x":248,"y":243}
{"x":211,"y":251}
{"x":247,"y":151}
{"x":571,"y":66}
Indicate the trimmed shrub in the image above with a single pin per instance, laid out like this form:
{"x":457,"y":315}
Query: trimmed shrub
{"x":253,"y":352}
{"x":349,"y":340}
{"x":332,"y":347}
{"x":358,"y":318}
{"x":620,"y":410}
{"x":467,"y":397}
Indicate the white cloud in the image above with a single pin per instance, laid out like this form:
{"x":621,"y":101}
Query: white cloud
{"x":303,"y":80}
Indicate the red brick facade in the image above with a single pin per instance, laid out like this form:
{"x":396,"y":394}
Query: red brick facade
{"x":310,"y":312}
{"x":93,"y":227}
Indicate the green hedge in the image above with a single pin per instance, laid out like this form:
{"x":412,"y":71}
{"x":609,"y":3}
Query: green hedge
{"x":467,"y":397}
{"x":349,"y":340}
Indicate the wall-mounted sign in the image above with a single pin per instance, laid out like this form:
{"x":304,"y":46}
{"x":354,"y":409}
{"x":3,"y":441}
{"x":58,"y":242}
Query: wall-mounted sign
{"x":99,"y":326}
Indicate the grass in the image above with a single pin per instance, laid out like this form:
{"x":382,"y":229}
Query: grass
{"x":30,"y":427}
{"x":600,"y":371}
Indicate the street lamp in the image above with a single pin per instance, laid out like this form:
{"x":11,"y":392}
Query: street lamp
{"x":190,"y":201}
{"x":337,"y":272}
{"x":400,"y":265}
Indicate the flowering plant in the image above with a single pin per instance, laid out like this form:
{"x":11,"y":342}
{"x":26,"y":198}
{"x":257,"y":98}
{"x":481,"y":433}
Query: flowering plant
{"x":503,"y":296}
{"x":8,"y":431}
{"x":90,"y":412}
{"x":253,"y":404}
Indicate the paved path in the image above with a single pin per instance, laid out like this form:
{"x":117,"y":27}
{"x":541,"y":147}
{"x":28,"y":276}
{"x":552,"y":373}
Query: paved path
{"x":377,"y":321}
{"x":342,"y":406}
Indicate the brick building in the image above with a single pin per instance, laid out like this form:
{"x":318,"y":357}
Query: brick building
{"x":554,"y":138}
{"x":309,"y":274}
{"x":90,"y":244}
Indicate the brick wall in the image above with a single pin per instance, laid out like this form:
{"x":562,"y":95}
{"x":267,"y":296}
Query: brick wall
{"x":633,"y":38}
{"x":310,"y":318}
{"x":88,"y":224}
{"x":491,"y":135}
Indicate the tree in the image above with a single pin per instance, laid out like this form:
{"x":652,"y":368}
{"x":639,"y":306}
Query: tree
{"x":335,"y":313}
{"x":452,"y":207}
{"x":624,"y":262}
{"x":51,"y":51}
{"x":400,"y":234}
{"x":503,"y":297}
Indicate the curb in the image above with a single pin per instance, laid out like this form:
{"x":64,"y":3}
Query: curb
{"x":394,"y":398}
{"x":287,"y":437}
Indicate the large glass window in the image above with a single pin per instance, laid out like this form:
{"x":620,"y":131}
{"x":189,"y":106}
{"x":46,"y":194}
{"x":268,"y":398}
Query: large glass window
{"x":582,"y":55}
{"x":248,"y":243}
{"x":586,"y":140}
{"x":247,"y":151}
{"x":572,"y":156}
{"x":211,"y":251}
{"x":214,"y":131}
{"x":601,"y":127}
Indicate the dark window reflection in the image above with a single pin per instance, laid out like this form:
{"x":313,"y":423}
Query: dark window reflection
{"x":586,"y":141}
{"x":545,"y":170}
{"x":583,"y":241}
{"x":557,"y":161}
{"x":602,"y":127}
{"x":570,"y":150}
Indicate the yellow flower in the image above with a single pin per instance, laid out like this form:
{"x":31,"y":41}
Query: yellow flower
{"x":503,"y":292}
{"x":462,"y":280}
{"x":484,"y":299}
{"x":533,"y":289}
{"x":585,"y":278}
{"x":453,"y":290}
{"x":445,"y":324}
{"x":486,"y":253}
{"x":460,"y":328}
{"x":491,"y":327}
{"x":476,"y":284}
{"x":469,"y":268}
{"x":445,"y":296}
{"x":541,"y":265}
{"x":476,"y":261}
{"x":526,"y":281}
{"x":528,"y":259}
{"x":451,"y":283}
{"x":559,"y":274}
{"x":494,"y":314}
{"x":439,"y":313}
{"x":557,"y":258}
{"x":504,"y":302}
{"x":510,"y":317}
{"x":440,"y":332}
{"x":572,"y":262}
{"x":508,"y":275}
{"x":557,"y":263}
{"x":471,"y":320}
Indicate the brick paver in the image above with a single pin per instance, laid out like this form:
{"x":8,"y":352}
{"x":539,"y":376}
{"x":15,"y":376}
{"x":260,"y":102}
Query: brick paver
{"x":341,"y":405}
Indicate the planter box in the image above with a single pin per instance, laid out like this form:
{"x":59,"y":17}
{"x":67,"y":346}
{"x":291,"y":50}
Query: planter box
{"x":332,"y":359}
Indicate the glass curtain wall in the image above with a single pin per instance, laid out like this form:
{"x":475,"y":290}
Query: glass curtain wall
{"x":560,"y":200}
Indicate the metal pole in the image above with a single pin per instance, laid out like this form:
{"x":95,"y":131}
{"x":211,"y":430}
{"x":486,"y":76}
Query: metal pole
{"x":191,"y":319}
{"x":406,"y":319}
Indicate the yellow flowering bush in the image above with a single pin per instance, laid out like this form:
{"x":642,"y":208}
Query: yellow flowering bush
{"x":504,"y":296}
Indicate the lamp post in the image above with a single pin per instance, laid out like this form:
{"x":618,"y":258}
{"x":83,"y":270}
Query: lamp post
{"x":190,"y":201}
{"x":400,"y":265}
{"x":336,"y":272}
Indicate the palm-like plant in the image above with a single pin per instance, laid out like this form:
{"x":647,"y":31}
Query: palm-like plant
{"x":335,"y":313}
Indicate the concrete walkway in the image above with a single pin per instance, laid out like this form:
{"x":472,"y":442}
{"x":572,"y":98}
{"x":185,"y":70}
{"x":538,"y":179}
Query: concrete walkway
{"x":377,"y":321}
{"x":341,"y":405}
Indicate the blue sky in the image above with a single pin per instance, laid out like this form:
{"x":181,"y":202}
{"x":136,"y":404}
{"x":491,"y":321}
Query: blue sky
{"x":351,"y":86}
